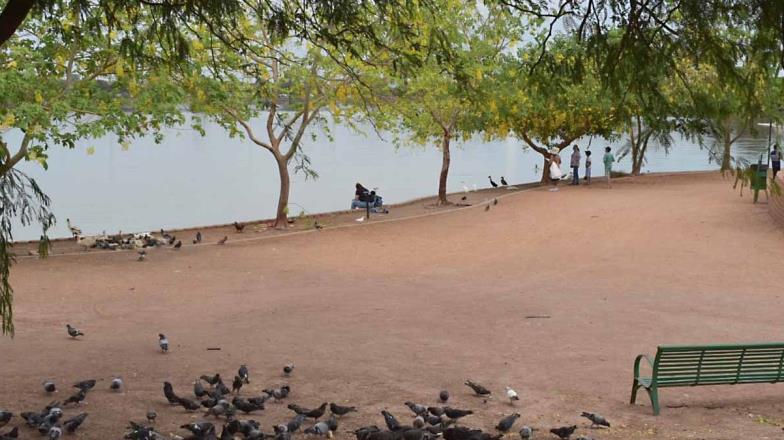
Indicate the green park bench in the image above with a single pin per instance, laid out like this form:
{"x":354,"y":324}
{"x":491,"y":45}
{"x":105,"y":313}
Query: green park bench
{"x":695,"y":365}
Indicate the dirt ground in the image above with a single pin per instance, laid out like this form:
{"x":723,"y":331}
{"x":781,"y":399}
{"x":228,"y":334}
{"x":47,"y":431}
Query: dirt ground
{"x":388,"y":311}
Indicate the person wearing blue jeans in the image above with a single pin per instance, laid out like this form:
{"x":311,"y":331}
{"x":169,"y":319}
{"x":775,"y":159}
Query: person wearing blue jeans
{"x":575,"y":164}
{"x":363,"y":198}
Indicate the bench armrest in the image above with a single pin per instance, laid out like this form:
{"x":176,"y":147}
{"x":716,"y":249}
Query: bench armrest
{"x":637,"y":364}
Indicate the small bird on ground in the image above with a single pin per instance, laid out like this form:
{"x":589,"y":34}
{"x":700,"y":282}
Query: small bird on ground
{"x":464,"y":198}
{"x":117,"y":384}
{"x":294,"y":424}
{"x":85,"y":385}
{"x":503,"y":181}
{"x":142,"y":255}
{"x":73,"y":331}
{"x":212,"y":380}
{"x":76,"y":398}
{"x":340,"y":411}
{"x":317,"y":225}
{"x":288,"y":369}
{"x":198,"y":428}
{"x":198,"y":238}
{"x":236,"y":384}
{"x":163,"y":342}
{"x":526,"y":432}
{"x":596,"y":419}
{"x":505,"y":424}
{"x":72,"y":424}
{"x":512,"y":395}
{"x":416,"y":408}
{"x":223,"y":240}
{"x":198,"y":389}
{"x":244,"y":374}
{"x":419,"y":422}
{"x":564,"y":432}
{"x":391,"y":421}
{"x":436,"y":410}
{"x":332,"y":422}
{"x":10,"y":435}
{"x":239,"y":226}
{"x":320,"y":428}
{"x":188,"y":404}
{"x":49,"y":386}
{"x":443,"y":396}
{"x":151,"y":416}
{"x":455,"y":414}
{"x":495,"y":202}
{"x":168,"y":391}
{"x":178,"y":244}
{"x":492,"y":182}
{"x":487,"y":208}
{"x":478,"y":389}
{"x":246,"y":406}
{"x":5,"y":417}
{"x":74,"y":230}
{"x":55,"y":432}
{"x":278,"y":393}
{"x":316,"y":414}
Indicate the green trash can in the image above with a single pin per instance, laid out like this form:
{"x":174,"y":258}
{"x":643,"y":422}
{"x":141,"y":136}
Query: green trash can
{"x":759,"y":178}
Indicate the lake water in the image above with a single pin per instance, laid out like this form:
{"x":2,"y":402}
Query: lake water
{"x":191,"y":180}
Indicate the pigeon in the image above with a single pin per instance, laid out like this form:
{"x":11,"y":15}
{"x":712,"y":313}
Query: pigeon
{"x":564,"y":432}
{"x":505,"y":424}
{"x":340,"y":411}
{"x":258,"y":401}
{"x":168,"y":391}
{"x":246,"y":406}
{"x":495,"y":202}
{"x":189,"y":405}
{"x":461,"y":433}
{"x":73,"y":331}
{"x":198,"y":238}
{"x":391,"y":421}
{"x":332,"y":422}
{"x":288,"y":369}
{"x":278,"y":393}
{"x":294,"y":424}
{"x":76,"y":398}
{"x":596,"y":419}
{"x":55,"y":432}
{"x":584,"y":437}
{"x":223,"y":240}
{"x":142,"y":255}
{"x":316,"y":414}
{"x":419,"y":422}
{"x":455,"y":414}
{"x":151,"y":416}
{"x":239,"y":226}
{"x":5,"y":417}
{"x":512,"y":395}
{"x":320,"y":428}
{"x":198,"y":428}
{"x":236,"y":384}
{"x":436,"y":410}
{"x":85,"y":385}
{"x":526,"y":432}
{"x":433,"y":420}
{"x":117,"y":384}
{"x":317,"y":225}
{"x":49,"y":386}
{"x":212,"y":380}
{"x":243,"y":373}
{"x":478,"y":389}
{"x":71,"y":425}
{"x":163,"y":342}
{"x":10,"y":435}
{"x":494,"y":185}
{"x":416,"y":408}
{"x":464,"y":198}
{"x":443,"y":396}
{"x":503,"y":181}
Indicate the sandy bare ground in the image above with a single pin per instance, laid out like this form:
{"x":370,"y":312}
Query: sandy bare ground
{"x":382,"y":313}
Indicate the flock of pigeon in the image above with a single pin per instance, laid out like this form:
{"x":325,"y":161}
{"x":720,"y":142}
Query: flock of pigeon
{"x":219,"y":402}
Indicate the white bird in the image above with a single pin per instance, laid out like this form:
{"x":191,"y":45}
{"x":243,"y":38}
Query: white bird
{"x":465,"y":188}
{"x":512,"y":395}
{"x":74,"y":230}
{"x":361,"y":219}
{"x":163,"y":342}
{"x":475,"y":187}
{"x":117,"y":384}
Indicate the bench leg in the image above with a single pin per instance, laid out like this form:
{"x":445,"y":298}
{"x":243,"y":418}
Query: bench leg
{"x":653,"y":393}
{"x":635,"y":387}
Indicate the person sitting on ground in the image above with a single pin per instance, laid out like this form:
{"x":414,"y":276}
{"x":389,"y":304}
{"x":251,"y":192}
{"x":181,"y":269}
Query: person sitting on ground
{"x":364,"y":198}
{"x":555,"y":169}
{"x":775,"y":160}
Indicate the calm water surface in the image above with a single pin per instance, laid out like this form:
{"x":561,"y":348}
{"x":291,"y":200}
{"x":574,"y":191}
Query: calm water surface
{"x":192,"y":180}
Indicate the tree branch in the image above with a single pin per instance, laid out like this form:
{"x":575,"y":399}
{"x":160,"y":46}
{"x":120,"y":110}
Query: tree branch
{"x":248,"y":129}
{"x":12,"y":17}
{"x":21,"y":154}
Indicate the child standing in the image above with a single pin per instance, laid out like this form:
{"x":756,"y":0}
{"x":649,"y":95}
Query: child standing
{"x":608,"y":160}
{"x":588,"y":167}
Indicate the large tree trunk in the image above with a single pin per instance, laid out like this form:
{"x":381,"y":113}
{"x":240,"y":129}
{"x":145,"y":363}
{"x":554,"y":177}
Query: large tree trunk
{"x":445,"y":159}
{"x":726,"y":157}
{"x":281,"y":218}
{"x":11,"y":18}
{"x":545,"y":170}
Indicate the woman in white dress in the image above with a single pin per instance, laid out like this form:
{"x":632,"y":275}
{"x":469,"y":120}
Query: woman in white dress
{"x":555,"y":169}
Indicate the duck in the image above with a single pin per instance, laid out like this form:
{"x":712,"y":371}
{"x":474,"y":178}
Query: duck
{"x":492,"y":182}
{"x":503,"y":181}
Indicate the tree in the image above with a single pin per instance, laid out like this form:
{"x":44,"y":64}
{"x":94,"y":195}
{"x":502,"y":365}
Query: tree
{"x":552,"y":107}
{"x":290,"y":91}
{"x":59,"y":85}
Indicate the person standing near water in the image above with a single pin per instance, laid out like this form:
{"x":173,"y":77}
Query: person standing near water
{"x":555,"y":168}
{"x":587,"y":167}
{"x":608,"y":160}
{"x":775,"y":159}
{"x":575,"y":164}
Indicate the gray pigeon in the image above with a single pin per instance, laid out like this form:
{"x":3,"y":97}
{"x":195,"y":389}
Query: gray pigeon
{"x":49,"y":386}
{"x":526,"y":432}
{"x":163,"y":342}
{"x":55,"y":432}
{"x":419,"y":422}
{"x":505,"y":424}
{"x":416,"y":408}
{"x":320,"y":428}
{"x":10,"y":435}
{"x":244,"y":374}
{"x":5,"y":417}
{"x":287,"y":369}
{"x":72,"y":424}
{"x":478,"y":389}
{"x":596,"y":419}
{"x":117,"y":384}
{"x":73,"y":332}
{"x":443,"y":396}
{"x":151,"y":416}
